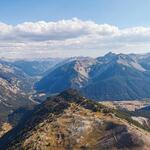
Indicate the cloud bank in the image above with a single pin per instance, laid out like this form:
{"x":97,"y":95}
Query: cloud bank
{"x":67,"y":38}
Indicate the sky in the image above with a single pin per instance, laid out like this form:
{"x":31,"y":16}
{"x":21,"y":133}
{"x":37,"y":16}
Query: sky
{"x":65,"y":28}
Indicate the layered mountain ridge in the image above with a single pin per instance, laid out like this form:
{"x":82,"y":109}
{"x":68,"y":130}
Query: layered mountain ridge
{"x":111,"y":77}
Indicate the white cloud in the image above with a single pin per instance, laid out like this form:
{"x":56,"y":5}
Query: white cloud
{"x":70,"y":37}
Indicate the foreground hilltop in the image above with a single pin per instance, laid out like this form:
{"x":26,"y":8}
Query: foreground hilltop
{"x":70,"y":121}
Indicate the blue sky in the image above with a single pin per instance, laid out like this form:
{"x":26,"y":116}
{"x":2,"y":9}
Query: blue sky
{"x":65,"y":28}
{"x":122,"y":13}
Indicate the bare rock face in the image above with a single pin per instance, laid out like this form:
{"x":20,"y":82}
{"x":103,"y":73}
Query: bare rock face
{"x":70,"y":121}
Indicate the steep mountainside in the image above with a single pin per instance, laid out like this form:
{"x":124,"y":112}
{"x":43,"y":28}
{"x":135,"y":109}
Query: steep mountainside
{"x":14,"y":86}
{"x":74,"y":73}
{"x":70,"y":121}
{"x":112,"y":77}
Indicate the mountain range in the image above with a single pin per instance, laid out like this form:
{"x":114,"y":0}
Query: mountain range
{"x":37,"y":67}
{"x":67,"y":120}
{"x":111,"y":77}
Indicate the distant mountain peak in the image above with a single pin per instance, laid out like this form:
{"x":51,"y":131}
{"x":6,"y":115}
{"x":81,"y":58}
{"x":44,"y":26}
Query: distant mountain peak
{"x":110,"y":54}
{"x":107,"y":57}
